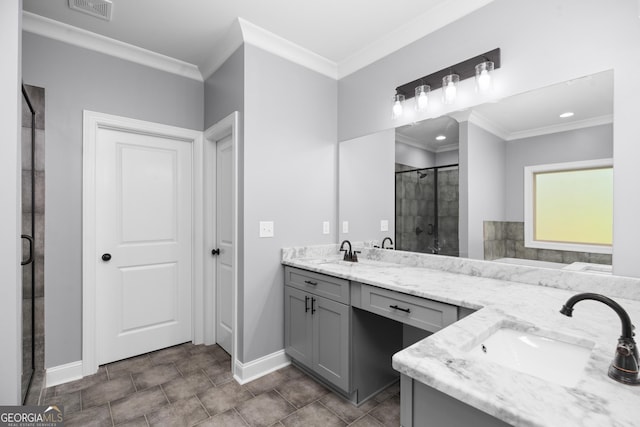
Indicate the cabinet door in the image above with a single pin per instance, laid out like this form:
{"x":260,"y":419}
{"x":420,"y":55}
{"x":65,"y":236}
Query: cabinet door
{"x":298,"y":325}
{"x":331,"y":341}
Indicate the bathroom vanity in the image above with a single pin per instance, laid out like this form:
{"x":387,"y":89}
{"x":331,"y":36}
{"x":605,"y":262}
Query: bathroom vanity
{"x":361,"y":310}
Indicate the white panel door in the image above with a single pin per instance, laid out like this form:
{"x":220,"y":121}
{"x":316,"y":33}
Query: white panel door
{"x":224,"y":233}
{"x":144,"y":243}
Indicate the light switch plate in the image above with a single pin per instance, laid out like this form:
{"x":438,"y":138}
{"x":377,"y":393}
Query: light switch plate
{"x":326,"y":228}
{"x":345,"y":226}
{"x":266,"y":228}
{"x":384,"y":225}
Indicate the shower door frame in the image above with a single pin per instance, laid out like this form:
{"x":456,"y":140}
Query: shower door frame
{"x":435,"y":185}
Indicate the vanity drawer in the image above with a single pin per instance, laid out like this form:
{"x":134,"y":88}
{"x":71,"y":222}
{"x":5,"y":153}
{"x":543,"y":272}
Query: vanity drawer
{"x":422,"y":313}
{"x":318,"y":284}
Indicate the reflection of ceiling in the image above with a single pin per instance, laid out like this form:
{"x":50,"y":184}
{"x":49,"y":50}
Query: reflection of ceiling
{"x":531,"y":113}
{"x":347,"y":34}
{"x":423,"y":134}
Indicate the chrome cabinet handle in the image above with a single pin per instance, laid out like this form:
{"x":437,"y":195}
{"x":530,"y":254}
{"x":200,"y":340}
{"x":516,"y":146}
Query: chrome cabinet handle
{"x":306,"y":304}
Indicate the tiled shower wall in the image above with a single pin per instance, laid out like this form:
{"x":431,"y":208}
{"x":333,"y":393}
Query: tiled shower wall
{"x":36,"y":95}
{"x":505,"y":239}
{"x":415,"y":211}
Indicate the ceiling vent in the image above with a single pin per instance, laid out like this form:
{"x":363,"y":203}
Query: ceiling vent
{"x":99,"y":8}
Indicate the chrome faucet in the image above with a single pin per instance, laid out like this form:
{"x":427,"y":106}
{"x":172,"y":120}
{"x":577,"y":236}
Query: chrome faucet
{"x":349,"y":255}
{"x":390,"y":242}
{"x":624,"y":367}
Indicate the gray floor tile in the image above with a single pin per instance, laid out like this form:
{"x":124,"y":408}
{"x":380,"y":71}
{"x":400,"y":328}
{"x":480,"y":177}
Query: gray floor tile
{"x":96,"y":416}
{"x":137,"y":404}
{"x":291,"y":372}
{"x":223,"y":398}
{"x":219,"y":353}
{"x":169,"y":355}
{"x":265,"y":409}
{"x":184,"y":413}
{"x":301,"y":391}
{"x":156,"y":375}
{"x":107,"y":391}
{"x":230,"y":418}
{"x":218,"y":373}
{"x":71,"y":402}
{"x":183,"y":387}
{"x":266,"y":383}
{"x":314,"y":415}
{"x":129,"y":366}
{"x":195,"y":363}
{"x":388,"y":412}
{"x":346,"y":410}
{"x":366,"y":421}
{"x":138,"y":422}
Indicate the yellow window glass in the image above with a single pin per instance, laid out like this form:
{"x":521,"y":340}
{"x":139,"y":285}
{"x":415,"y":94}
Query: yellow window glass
{"x":574,"y":206}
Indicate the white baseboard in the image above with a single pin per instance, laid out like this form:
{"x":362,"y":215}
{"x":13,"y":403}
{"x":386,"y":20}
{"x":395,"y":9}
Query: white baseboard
{"x":63,"y":373}
{"x":255,"y":369}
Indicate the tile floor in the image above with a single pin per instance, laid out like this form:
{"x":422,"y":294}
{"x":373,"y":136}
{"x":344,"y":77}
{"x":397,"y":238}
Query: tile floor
{"x":190,"y":385}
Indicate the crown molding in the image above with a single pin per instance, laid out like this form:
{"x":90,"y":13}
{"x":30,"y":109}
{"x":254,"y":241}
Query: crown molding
{"x":441,"y":15}
{"x":403,"y":139}
{"x":65,"y":33}
{"x":266,"y":40}
{"x":562,"y":127}
{"x":488,"y":125}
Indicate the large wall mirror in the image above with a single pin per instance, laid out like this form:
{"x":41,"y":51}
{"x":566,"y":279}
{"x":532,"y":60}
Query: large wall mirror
{"x":454,"y":185}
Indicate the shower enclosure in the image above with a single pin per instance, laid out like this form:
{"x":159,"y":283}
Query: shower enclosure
{"x":32,"y":142}
{"x":427,"y":210}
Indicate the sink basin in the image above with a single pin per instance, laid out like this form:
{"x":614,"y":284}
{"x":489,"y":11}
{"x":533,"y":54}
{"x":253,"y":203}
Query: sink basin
{"x":546,"y":358}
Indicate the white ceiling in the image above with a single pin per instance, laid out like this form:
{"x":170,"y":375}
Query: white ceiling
{"x":349,"y":33}
{"x":532,"y":113}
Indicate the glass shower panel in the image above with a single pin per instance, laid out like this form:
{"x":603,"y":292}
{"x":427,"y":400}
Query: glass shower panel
{"x":28,"y":229}
{"x":427,"y":210}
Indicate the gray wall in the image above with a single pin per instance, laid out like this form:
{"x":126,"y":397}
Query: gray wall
{"x":10,"y":206}
{"x":447,"y":158}
{"x":409,"y":155}
{"x":482,"y":156}
{"x":367,"y":168}
{"x":290,"y":177}
{"x":224,"y":89}
{"x":75,"y":79}
{"x":568,"y":48}
{"x":590,"y":143}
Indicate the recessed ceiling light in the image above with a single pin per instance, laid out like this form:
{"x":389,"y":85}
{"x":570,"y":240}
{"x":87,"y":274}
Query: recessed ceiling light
{"x":441,"y":138}
{"x":567,"y":114}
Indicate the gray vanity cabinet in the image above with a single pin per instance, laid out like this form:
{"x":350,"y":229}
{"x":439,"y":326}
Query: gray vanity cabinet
{"x":316,"y":327}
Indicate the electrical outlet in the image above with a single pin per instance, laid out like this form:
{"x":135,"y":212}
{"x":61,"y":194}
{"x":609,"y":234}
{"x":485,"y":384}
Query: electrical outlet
{"x":384,"y":225}
{"x":345,"y":226}
{"x":266,"y":228}
{"x":325,"y":227}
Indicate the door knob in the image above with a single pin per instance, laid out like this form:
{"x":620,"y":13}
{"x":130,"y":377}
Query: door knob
{"x":106,"y":257}
{"x":215,"y":252}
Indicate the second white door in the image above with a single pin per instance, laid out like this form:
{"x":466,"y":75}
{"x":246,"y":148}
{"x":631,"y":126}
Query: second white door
{"x":224,"y":241}
{"x":144,"y":243}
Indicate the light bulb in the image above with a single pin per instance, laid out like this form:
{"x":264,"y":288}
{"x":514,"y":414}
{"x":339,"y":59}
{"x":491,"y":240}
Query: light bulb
{"x":397,"y":108}
{"x":450,"y":88}
{"x":483,"y":77}
{"x":422,"y":98}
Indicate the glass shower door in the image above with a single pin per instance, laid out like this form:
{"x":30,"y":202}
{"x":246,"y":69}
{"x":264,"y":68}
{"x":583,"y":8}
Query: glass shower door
{"x":28,"y":229}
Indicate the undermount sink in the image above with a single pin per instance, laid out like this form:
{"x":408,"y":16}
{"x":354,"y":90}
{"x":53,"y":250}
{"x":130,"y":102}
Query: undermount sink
{"x":552,"y":360}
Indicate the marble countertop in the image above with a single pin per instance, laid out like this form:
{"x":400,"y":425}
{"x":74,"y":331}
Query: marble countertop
{"x":520,"y":297}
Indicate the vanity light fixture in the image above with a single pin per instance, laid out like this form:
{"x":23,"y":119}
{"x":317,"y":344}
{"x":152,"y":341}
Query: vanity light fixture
{"x":397,"y":110}
{"x":422,"y":97}
{"x":480,"y":67}
{"x":567,"y":114}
